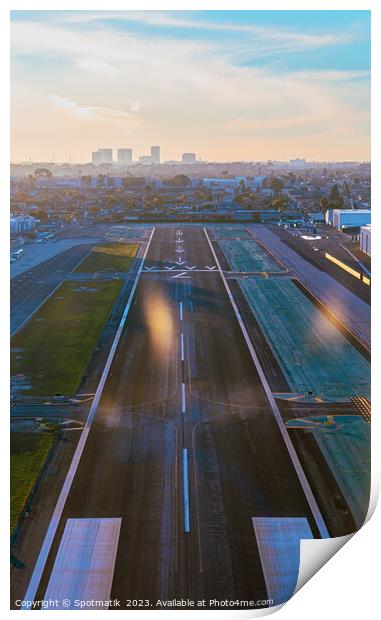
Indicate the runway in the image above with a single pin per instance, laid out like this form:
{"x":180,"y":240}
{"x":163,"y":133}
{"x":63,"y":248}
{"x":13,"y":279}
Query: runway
{"x":31,"y":288}
{"x":183,"y":447}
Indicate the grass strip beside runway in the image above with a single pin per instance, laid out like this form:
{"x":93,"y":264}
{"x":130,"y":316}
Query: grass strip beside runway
{"x":28,"y":454}
{"x":55,"y":346}
{"x":109,"y":257}
{"x":247,"y":256}
{"x":313,"y":355}
{"x":231,"y":232}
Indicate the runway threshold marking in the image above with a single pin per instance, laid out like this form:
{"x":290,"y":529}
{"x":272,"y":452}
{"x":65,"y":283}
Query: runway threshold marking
{"x":85,"y":561}
{"x":186,"y":491}
{"x":278,"y":540}
{"x":274,"y":408}
{"x":54,"y":522}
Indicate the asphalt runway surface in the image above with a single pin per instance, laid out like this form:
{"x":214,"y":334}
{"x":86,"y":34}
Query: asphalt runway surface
{"x":30,"y":289}
{"x":184,"y":447}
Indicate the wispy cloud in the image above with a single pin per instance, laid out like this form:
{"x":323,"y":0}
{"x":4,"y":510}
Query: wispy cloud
{"x":95,"y":113}
{"x":172,"y":20}
{"x":96,"y":66}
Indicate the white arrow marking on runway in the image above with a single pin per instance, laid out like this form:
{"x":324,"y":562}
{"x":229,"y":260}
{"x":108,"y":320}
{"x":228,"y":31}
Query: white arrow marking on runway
{"x":179,"y":251}
{"x":210,"y":268}
{"x":149,"y":268}
{"x":180,"y":262}
{"x":173,"y":267}
{"x":190,"y":268}
{"x":182,"y":274}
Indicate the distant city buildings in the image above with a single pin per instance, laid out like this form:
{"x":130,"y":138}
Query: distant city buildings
{"x":102,"y":156}
{"x":124,"y":156}
{"x":297,"y":163}
{"x":155,"y":154}
{"x":188,"y":158}
{"x":95,"y":158}
{"x":145,"y":160}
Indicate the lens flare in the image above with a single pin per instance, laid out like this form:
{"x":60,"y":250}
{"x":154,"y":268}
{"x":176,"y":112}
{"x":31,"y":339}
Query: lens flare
{"x":160,"y":323}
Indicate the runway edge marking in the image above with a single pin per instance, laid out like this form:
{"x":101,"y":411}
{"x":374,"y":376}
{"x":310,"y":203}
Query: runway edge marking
{"x":277,"y":415}
{"x":54,"y":522}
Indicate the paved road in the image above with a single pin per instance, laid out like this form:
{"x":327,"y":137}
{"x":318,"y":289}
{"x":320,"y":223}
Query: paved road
{"x":182,"y":379}
{"x":31,"y":288}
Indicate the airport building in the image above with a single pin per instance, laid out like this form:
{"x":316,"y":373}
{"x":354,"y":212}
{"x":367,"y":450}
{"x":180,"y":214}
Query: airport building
{"x":365,"y":239}
{"x":124,"y":156}
{"x":329,"y":217}
{"x":20,"y":224}
{"x":350,"y":218}
{"x":155,"y":154}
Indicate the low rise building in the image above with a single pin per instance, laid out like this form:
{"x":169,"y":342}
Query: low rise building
{"x":365,"y":239}
{"x":350,"y":218}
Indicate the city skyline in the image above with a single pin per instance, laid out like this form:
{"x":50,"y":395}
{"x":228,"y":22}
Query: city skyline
{"x":226,"y":85}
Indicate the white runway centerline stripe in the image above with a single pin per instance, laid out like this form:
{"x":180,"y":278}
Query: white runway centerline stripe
{"x":53,"y":525}
{"x":274,"y":408}
{"x":182,"y":347}
{"x":186,"y":492}
{"x":181,"y":310}
{"x":84,"y":566}
{"x":183,"y":403}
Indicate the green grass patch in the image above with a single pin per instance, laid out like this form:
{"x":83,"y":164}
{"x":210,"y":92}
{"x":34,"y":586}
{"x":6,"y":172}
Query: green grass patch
{"x":109,"y":257}
{"x":28,"y":454}
{"x":231,"y":232}
{"x":55,"y":346}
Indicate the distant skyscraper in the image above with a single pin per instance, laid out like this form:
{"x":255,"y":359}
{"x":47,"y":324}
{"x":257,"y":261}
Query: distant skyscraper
{"x":189,"y":158}
{"x":105,"y":156}
{"x":155,"y":154}
{"x":95,"y":158}
{"x":124,"y":156}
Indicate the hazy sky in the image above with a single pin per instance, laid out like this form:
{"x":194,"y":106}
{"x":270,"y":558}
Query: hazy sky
{"x":228,"y":85}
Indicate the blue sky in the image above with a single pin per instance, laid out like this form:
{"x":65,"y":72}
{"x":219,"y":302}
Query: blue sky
{"x":226,"y":84}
